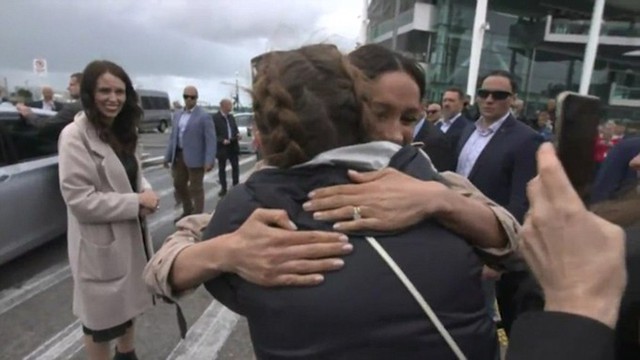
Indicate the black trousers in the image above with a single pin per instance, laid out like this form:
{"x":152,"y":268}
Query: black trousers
{"x":232,"y":156}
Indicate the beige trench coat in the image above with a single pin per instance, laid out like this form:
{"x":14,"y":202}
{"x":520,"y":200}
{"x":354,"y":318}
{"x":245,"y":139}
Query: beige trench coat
{"x":105,"y":241}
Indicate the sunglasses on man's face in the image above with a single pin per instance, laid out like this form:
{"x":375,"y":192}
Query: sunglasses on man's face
{"x":431,"y":112}
{"x":192,"y":97}
{"x":495,"y":94}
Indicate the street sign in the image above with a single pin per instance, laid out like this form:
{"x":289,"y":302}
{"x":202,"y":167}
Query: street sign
{"x":40,"y":66}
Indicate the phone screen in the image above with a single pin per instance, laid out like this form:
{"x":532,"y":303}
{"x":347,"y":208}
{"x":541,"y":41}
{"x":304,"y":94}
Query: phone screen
{"x":576,"y":133}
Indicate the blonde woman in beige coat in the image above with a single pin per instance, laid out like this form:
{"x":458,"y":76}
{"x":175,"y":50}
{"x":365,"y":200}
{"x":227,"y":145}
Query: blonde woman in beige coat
{"x":107,"y":200}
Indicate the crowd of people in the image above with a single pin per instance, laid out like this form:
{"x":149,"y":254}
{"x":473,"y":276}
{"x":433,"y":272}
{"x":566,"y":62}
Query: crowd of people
{"x":376,"y":225}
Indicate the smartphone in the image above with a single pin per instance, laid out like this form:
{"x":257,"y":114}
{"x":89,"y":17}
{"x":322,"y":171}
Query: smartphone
{"x":576,"y":133}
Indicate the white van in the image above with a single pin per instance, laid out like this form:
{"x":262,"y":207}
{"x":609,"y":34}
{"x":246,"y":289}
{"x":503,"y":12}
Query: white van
{"x":157,"y":110}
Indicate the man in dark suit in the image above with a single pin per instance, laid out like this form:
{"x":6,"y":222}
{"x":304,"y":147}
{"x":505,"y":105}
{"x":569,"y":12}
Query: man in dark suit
{"x":453,"y":121}
{"x":435,"y":143}
{"x":228,"y":147}
{"x":47,"y":102}
{"x":49,"y":128}
{"x":65,"y":114}
{"x":498,"y":155}
{"x":191,"y":152}
{"x":470,"y":111}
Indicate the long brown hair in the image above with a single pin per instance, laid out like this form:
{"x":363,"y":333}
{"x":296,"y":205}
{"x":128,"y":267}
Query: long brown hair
{"x":308,"y":101}
{"x":122,"y":135}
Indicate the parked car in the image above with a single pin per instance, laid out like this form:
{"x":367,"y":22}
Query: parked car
{"x":157,"y":110}
{"x":32,"y":210}
{"x":243,"y":120}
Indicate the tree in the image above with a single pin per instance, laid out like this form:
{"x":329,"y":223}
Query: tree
{"x":24,"y":95}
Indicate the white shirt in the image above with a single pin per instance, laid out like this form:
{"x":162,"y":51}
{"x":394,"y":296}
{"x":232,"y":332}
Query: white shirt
{"x":182,"y":125}
{"x":476,"y":144}
{"x":446,"y":124}
{"x":226,"y":119}
{"x":48,"y":105}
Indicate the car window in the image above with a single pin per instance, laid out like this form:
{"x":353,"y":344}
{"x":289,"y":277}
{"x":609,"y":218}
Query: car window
{"x":155,"y":103}
{"x":244,"y":120}
{"x":164,"y":104}
{"x":146,"y":103}
{"x":22,"y":142}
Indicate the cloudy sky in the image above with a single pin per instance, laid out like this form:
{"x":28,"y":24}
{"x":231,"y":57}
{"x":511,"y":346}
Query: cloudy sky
{"x":165,"y":44}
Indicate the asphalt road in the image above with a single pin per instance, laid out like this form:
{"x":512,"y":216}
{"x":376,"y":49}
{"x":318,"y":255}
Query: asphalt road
{"x":36,"y":321}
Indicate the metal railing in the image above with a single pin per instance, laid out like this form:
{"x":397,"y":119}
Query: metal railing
{"x":624,"y":95}
{"x":623,"y":33}
{"x":581,"y":27}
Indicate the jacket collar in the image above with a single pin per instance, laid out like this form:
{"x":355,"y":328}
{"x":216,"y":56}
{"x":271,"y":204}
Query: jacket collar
{"x":95,"y":144}
{"x":365,"y":157}
{"x":114,"y":171}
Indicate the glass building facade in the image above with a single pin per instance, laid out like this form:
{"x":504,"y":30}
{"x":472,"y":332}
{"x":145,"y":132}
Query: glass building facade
{"x":541,"y":42}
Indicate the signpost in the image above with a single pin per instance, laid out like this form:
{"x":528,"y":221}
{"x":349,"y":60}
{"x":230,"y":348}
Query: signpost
{"x":40,"y":67}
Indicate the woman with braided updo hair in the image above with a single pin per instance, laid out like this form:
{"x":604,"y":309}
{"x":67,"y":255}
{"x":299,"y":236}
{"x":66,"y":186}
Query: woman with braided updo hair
{"x":312,"y":110}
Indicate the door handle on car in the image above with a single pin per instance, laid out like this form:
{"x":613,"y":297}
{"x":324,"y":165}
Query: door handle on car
{"x":4,"y":177}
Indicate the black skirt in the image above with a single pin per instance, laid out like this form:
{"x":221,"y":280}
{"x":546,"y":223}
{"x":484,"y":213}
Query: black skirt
{"x":107,"y":334}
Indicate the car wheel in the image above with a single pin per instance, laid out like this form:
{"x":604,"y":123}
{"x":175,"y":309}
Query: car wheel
{"x":163,"y":126}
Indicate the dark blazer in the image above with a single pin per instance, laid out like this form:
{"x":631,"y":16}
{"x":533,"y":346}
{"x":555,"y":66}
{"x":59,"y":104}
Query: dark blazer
{"x":614,"y":174}
{"x":57,"y":106}
{"x":546,"y":335}
{"x":221,"y":134}
{"x":506,"y":165}
{"x":64,"y":116}
{"x":437,"y":146}
{"x":454,"y":133}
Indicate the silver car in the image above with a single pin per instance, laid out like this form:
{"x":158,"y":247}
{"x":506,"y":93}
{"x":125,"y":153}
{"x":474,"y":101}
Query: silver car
{"x":244,"y":120}
{"x":32,"y":211}
{"x":157,"y":110}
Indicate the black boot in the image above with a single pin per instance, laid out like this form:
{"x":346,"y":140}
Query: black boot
{"x":125,"y":356}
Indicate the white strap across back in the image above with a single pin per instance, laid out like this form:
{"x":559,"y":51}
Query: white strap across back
{"x":417,"y":296}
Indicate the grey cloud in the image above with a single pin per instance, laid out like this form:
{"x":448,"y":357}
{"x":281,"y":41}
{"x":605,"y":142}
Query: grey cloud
{"x":191,"y":39}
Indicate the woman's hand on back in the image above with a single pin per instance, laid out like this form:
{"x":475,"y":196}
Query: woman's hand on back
{"x":387,"y":200}
{"x":268,"y":250}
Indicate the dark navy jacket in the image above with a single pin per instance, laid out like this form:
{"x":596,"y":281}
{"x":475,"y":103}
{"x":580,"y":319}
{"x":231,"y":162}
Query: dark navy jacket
{"x":454,"y":133}
{"x":361,"y":311}
{"x":615,"y":175}
{"x":506,"y":165}
{"x":437,"y":146}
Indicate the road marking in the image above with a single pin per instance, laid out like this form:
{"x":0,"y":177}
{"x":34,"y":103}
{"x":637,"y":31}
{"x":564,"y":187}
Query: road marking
{"x":172,"y":215}
{"x":209,"y":177}
{"x":13,"y":297}
{"x":218,"y":320}
{"x":207,"y":336}
{"x":60,"y":345}
{"x":46,"y":279}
